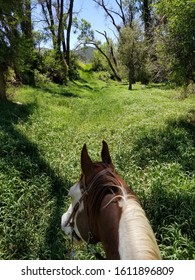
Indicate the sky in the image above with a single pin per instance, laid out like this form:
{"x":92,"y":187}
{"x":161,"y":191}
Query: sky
{"x":95,"y":15}
{"x":88,"y":10}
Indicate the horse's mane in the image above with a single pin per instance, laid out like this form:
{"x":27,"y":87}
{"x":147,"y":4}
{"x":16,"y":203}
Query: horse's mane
{"x":136,"y":231}
{"x":134,"y":225}
{"x":106,"y":183}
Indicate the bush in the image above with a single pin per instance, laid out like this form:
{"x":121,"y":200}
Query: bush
{"x":73,"y":72}
{"x":99,"y":63}
{"x":41,"y":79}
{"x":54,"y":67}
{"x":103,"y":76}
{"x":187,"y":90}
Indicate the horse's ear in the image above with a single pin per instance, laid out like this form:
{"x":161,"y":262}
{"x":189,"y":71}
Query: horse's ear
{"x":105,"y":153}
{"x":86,"y":162}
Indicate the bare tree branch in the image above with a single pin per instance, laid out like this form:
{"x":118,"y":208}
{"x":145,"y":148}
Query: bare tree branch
{"x":108,"y":12}
{"x":118,"y":78}
{"x":110,"y":45}
{"x":120,"y":4}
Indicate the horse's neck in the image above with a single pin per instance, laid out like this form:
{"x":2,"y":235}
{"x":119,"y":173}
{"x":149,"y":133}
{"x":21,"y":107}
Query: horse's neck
{"x":125,"y":231}
{"x":136,"y":237}
{"x":108,"y":227}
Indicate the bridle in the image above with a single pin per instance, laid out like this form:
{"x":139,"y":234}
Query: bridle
{"x":71,"y":218}
{"x":75,"y":209}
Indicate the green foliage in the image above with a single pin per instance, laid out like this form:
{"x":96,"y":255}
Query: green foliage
{"x":132,"y":53}
{"x":41,"y":79}
{"x":99,"y":62}
{"x":86,"y":33}
{"x":151,"y":140}
{"x":179,"y":40}
{"x":73,"y":73}
{"x":16,"y":47}
{"x":54,"y":67}
{"x":187,"y":90}
{"x":22,"y":61}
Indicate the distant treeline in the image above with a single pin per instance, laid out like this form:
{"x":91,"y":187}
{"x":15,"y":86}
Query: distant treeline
{"x":154,"y":41}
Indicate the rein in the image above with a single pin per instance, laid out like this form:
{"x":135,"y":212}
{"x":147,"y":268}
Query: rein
{"x":74,"y":211}
{"x":71,"y":218}
{"x":85,"y":193}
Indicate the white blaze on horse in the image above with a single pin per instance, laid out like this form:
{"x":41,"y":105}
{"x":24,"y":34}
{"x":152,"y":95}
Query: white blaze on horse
{"x":104,"y":209}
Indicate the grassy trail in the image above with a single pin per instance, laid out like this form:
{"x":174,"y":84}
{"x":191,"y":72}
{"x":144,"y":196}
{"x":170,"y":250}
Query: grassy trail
{"x":152,"y":143}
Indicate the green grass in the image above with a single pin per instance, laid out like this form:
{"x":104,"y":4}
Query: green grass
{"x":152,"y":143}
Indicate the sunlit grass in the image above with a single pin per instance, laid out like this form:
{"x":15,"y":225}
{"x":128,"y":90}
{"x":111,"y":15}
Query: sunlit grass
{"x":151,"y":142}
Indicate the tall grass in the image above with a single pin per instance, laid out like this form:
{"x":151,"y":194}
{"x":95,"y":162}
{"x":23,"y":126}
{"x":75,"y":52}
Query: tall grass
{"x":152,"y":143}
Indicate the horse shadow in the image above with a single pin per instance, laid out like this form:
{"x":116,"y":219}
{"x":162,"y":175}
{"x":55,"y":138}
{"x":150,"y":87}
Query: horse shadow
{"x":18,"y":153}
{"x":169,"y":204}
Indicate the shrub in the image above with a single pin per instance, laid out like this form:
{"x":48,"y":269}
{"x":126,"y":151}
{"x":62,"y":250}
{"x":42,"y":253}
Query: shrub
{"x":54,"y":67}
{"x":73,"y":72}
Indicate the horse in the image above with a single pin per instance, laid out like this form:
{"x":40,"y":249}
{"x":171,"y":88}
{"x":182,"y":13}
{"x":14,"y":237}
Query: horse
{"x":104,"y":209}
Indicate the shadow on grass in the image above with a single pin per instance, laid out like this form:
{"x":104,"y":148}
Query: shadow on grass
{"x":167,"y":160}
{"x":176,"y":143}
{"x":172,"y":214}
{"x":24,"y":170}
{"x":61,"y":90}
{"x":165,"y":86}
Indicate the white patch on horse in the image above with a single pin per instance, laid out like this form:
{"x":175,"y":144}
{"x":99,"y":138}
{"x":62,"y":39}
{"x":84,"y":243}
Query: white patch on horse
{"x":136,"y":237}
{"x":67,"y":229}
{"x":75,"y":194}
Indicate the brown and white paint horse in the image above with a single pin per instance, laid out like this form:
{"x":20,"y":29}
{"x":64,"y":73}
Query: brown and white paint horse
{"x":105,"y":210}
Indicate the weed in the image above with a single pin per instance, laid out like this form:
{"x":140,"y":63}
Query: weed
{"x":151,"y":142}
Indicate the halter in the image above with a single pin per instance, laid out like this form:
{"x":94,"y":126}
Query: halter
{"x":85,"y":193}
{"x":74,"y":211}
{"x":71,"y":218}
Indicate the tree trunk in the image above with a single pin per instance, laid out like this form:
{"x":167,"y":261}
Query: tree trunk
{"x":2,"y":84}
{"x":60,"y":14}
{"x":61,"y":45}
{"x":131,"y":75}
{"x":70,"y":13}
{"x":26,"y":26}
{"x":130,"y":81}
{"x":147,"y":19}
{"x":51,"y":24}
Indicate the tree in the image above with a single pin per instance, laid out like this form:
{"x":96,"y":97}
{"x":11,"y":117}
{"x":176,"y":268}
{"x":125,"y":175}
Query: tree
{"x":69,"y":27}
{"x":177,"y":27}
{"x":131,"y":51}
{"x":3,"y":62}
{"x":53,"y":12}
{"x":87,"y":37}
{"x":9,"y":36}
{"x":4,"y":47}
{"x":28,"y":40}
{"x":146,"y":9}
{"x":59,"y":22}
{"x":16,"y":42}
{"x":122,"y":15}
{"x":3,"y":70}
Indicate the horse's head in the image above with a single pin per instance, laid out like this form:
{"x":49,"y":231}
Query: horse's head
{"x":76,"y":220}
{"x":105,"y":209}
